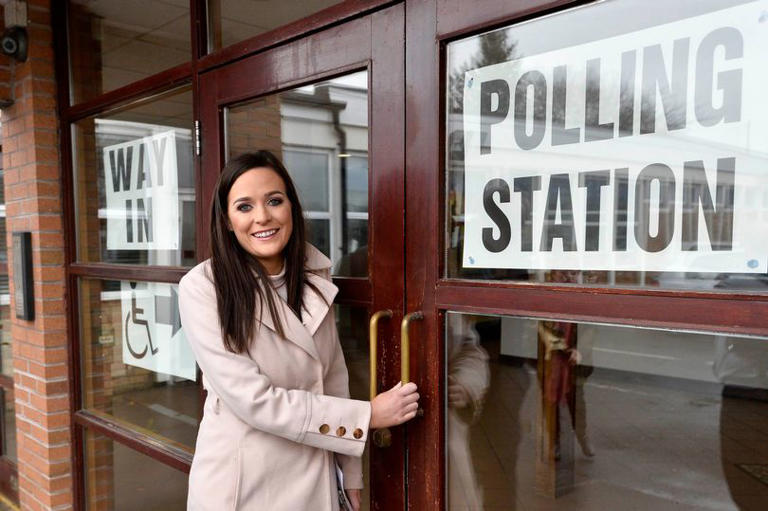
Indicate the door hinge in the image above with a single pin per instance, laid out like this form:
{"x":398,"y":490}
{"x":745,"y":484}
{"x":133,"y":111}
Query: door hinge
{"x":197,"y":138}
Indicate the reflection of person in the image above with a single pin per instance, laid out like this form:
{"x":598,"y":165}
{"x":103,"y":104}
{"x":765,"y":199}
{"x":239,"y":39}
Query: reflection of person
{"x":259,"y":318}
{"x":468,"y":380}
{"x":564,"y":384}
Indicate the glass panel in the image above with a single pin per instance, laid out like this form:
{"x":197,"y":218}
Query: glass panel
{"x":320,"y":132}
{"x":135,"y":183}
{"x":352,"y":323}
{"x":231,"y":21}
{"x":310,"y":170}
{"x":552,"y":415}
{"x":9,"y":424}
{"x":136,"y":363}
{"x":6,"y":346}
{"x":319,"y":234}
{"x":112,"y":44}
{"x":118,"y":478}
{"x":357,"y":184}
{"x":629,"y":146}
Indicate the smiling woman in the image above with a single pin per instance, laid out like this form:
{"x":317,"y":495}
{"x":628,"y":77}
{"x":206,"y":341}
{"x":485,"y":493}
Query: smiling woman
{"x":260,"y":216}
{"x":258,"y":316}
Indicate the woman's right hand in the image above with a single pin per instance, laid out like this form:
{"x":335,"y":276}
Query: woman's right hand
{"x":395,"y":406}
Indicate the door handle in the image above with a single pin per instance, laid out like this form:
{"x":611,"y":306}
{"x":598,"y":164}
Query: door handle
{"x":373,"y":326}
{"x":405,"y":345}
{"x":381,"y":437}
{"x":405,"y":350}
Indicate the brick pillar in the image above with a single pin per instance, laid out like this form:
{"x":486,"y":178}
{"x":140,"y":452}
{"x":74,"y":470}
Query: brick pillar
{"x":34,"y":203}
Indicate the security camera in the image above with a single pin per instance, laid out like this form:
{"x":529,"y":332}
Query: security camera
{"x":14,"y":43}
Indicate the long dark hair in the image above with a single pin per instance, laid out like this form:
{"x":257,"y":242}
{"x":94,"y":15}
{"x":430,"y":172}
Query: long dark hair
{"x":241,"y":281}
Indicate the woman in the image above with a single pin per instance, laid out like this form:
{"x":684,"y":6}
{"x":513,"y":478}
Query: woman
{"x":259,"y":317}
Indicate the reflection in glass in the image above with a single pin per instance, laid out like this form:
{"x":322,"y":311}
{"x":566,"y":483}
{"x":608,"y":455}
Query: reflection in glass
{"x":352,"y":323}
{"x":9,"y":424}
{"x":118,"y":478}
{"x":136,"y":364}
{"x":560,"y":415}
{"x":569,"y":123}
{"x":6,"y":346}
{"x":112,"y":44}
{"x":231,"y":21}
{"x":135,"y":184}
{"x":320,"y":132}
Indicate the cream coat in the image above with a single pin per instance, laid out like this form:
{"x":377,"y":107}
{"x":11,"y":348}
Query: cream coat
{"x":273,"y":420}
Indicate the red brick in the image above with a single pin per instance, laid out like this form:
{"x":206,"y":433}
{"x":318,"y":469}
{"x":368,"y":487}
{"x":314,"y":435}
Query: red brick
{"x":11,"y":176}
{"x":49,"y":404}
{"x":55,"y":420}
{"x":46,"y":290}
{"x":50,"y":306}
{"x":54,"y":387}
{"x":46,"y":154}
{"x":48,"y":273}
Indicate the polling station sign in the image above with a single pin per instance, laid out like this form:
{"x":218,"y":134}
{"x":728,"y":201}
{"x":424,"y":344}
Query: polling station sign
{"x":644,"y":151}
{"x":141,"y":180}
{"x":153,"y":337}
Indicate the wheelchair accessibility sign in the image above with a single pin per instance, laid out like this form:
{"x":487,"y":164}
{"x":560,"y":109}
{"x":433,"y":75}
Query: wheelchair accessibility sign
{"x":153,"y":338}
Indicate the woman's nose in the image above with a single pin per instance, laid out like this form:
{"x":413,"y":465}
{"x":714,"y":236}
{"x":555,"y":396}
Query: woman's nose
{"x":261,"y":214}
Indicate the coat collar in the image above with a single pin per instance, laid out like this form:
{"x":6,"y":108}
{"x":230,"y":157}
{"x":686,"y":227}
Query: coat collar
{"x":316,"y":306}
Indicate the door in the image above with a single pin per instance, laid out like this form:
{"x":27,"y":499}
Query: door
{"x":330,"y":104}
{"x":581,"y":350}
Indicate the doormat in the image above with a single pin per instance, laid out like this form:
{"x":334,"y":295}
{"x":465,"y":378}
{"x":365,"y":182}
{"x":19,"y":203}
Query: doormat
{"x":759,"y":472}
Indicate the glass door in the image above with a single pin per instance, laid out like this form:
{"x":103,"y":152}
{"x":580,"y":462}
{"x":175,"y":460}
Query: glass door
{"x":585,"y":212}
{"x":330,"y":105}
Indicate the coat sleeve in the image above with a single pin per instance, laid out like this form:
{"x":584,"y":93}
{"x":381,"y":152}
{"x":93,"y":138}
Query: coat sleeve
{"x":336,"y":383}
{"x":297,"y":415}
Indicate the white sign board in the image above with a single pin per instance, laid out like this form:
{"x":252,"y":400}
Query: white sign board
{"x":151,"y":329}
{"x":644,"y":151}
{"x":141,"y":180}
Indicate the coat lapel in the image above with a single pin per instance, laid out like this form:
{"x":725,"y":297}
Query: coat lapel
{"x":316,"y":306}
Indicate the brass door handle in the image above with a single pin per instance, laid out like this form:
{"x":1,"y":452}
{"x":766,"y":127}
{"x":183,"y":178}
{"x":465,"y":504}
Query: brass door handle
{"x":381,"y":437}
{"x":373,"y":326}
{"x":405,"y":345}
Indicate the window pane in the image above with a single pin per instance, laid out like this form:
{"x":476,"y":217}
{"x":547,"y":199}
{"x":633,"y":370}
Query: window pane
{"x":310,"y":171}
{"x":112,"y":44}
{"x":135,"y":184}
{"x":357,"y":184}
{"x":320,"y":132}
{"x":9,"y":424}
{"x":613,"y":148}
{"x":121,"y":479}
{"x":136,"y":363}
{"x":231,"y":21}
{"x":318,"y":234}
{"x":553,"y":415}
{"x":6,"y":346}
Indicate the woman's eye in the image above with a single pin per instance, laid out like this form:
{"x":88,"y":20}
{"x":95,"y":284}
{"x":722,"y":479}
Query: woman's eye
{"x":244,"y":207}
{"x":275,"y":201}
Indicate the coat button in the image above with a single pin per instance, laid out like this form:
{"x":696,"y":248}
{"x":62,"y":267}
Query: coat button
{"x":358,"y":433}
{"x":324,"y":429}
{"x":341,"y":431}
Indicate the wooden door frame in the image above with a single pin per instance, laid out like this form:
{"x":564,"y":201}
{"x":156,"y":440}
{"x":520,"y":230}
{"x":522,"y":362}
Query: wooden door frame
{"x":432,"y":24}
{"x":374,"y":43}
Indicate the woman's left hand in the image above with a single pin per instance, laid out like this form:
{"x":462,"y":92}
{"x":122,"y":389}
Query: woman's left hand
{"x":354,"y":499}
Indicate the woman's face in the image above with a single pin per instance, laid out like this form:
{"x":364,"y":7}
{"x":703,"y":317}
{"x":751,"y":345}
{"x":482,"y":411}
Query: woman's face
{"x":260,"y":216}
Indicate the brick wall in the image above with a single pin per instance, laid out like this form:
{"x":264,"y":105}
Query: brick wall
{"x":34,"y":203}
